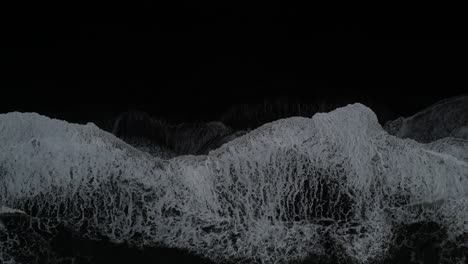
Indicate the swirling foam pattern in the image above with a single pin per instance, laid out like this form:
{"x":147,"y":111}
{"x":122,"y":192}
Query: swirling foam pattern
{"x":269,"y":196}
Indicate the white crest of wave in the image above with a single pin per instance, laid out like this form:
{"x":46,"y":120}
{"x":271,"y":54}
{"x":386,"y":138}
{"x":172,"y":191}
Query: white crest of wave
{"x":270,"y":195}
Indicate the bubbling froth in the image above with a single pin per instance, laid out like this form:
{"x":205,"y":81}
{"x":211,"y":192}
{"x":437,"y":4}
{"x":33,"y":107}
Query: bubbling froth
{"x":271,"y":195}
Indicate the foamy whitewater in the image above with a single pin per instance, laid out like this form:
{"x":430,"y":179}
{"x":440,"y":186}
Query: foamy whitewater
{"x":269,"y":196}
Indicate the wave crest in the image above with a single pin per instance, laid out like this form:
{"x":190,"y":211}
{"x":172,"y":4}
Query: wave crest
{"x":271,"y":195}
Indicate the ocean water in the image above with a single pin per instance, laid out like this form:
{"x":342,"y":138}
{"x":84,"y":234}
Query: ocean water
{"x":333,"y":188}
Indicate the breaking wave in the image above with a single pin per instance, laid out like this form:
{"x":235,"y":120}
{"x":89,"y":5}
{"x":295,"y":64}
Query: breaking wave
{"x":297,"y":188}
{"x":448,"y":118}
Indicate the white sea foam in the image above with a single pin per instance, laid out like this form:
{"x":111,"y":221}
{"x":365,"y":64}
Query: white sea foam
{"x":270,"y":195}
